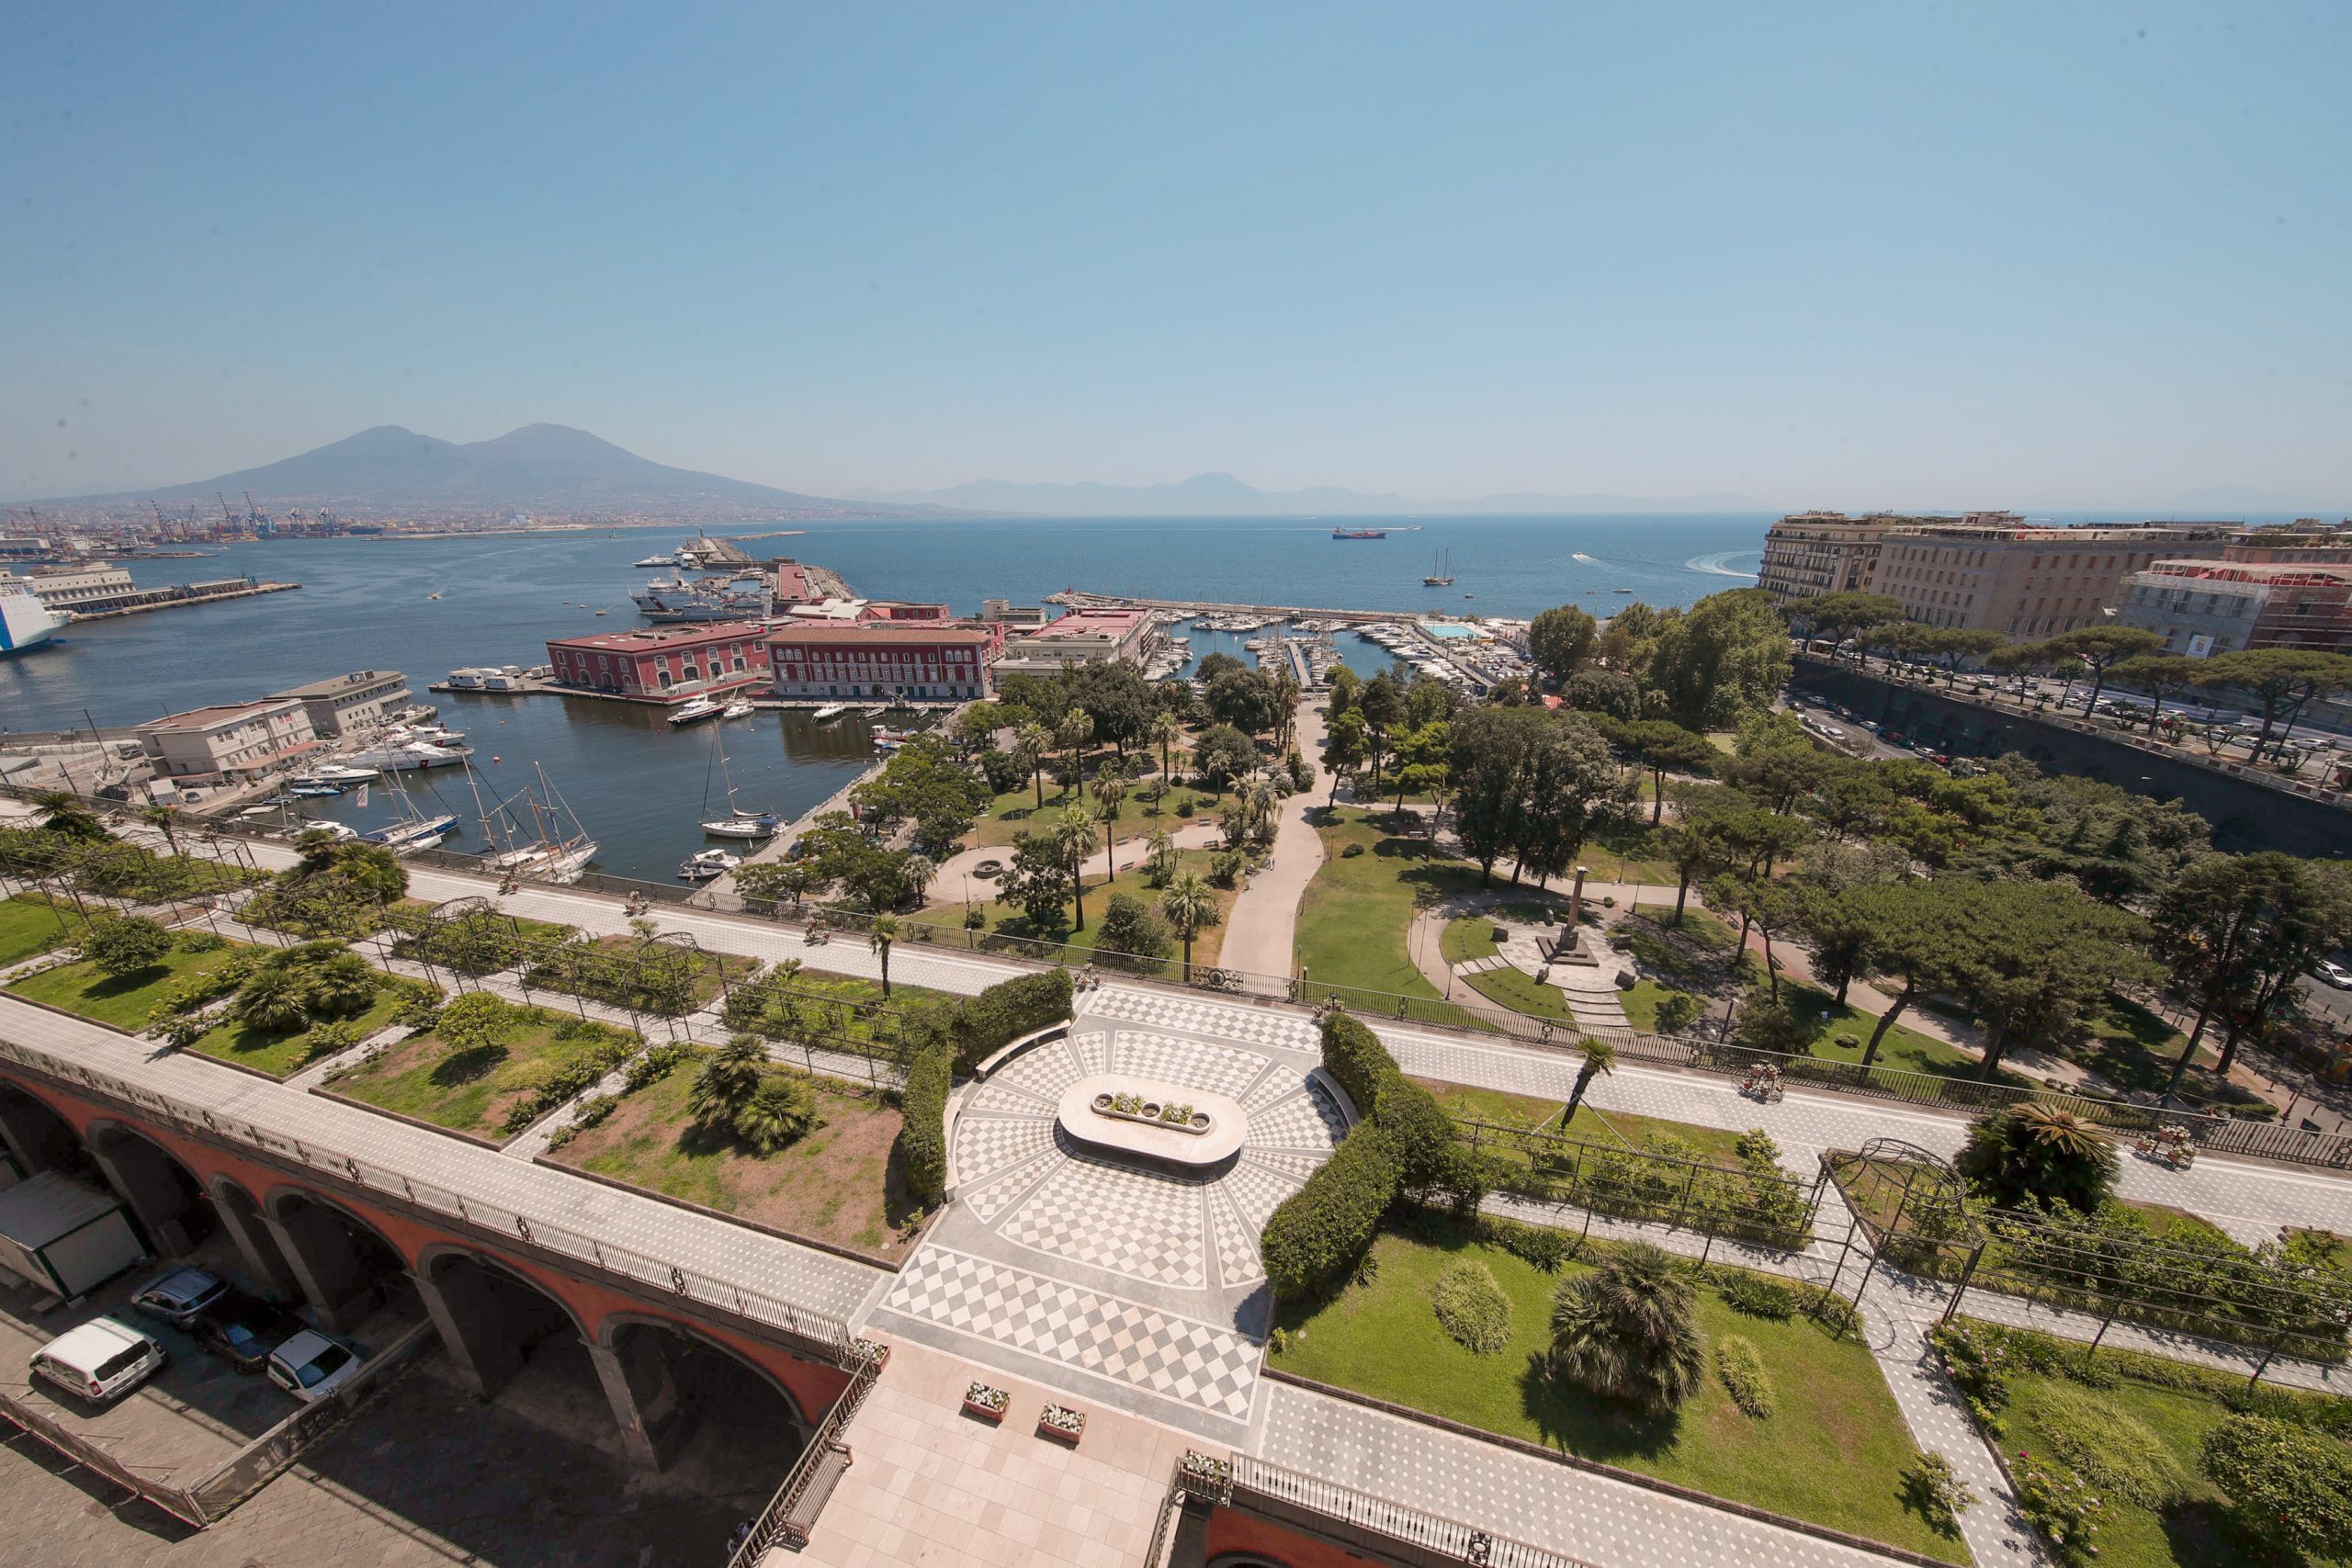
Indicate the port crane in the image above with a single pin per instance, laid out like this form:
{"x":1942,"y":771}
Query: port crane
{"x":256,"y":516}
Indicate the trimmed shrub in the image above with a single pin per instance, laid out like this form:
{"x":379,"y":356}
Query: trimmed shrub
{"x":1539,"y":1246}
{"x":2286,"y":1485}
{"x":1325,"y":1226}
{"x":922,"y":1130}
{"x":1471,"y":1306}
{"x":2111,"y":1449}
{"x":1756,"y":1295}
{"x":1743,"y":1376}
{"x":1425,"y":1135}
{"x":654,"y":1065}
{"x":202,"y":941}
{"x":979,"y":1026}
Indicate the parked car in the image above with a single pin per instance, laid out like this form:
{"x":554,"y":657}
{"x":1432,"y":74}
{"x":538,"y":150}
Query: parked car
{"x":244,"y":1330}
{"x":181,"y":1296}
{"x":101,"y":1360}
{"x":311,"y":1366}
{"x":2328,"y":972}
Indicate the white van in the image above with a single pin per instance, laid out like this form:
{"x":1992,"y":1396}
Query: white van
{"x":102,"y":1361}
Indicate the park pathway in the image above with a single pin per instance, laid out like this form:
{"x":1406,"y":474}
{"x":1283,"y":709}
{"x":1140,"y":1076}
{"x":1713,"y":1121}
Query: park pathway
{"x":1260,"y":934}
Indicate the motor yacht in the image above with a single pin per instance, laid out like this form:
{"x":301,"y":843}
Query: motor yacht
{"x":705,"y":865}
{"x":695,"y":709}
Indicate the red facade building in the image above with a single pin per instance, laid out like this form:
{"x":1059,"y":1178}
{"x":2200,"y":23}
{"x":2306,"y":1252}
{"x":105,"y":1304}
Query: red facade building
{"x":937,"y":661}
{"x":660,"y":664}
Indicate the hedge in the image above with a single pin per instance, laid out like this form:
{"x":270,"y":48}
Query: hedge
{"x":922,"y":1125}
{"x":1424,"y":1134}
{"x":1004,"y":1013}
{"x":1326,"y":1224}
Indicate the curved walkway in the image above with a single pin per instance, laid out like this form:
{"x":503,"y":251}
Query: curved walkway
{"x":1260,"y":934}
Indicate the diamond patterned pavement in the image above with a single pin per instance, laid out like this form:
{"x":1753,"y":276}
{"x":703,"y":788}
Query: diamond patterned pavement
{"x":1191,"y":1064}
{"x":1211,"y":1369}
{"x":1135,"y":1223}
{"x":1307,"y":1119}
{"x":1253,"y":1026}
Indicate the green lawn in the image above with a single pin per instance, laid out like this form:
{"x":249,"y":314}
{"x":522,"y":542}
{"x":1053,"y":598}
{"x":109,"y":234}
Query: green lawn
{"x":1016,"y":810}
{"x":836,"y":1184}
{"x":838,"y":1010}
{"x":1627,"y":852}
{"x":129,"y":1002}
{"x":1591,"y":1123}
{"x":1008,"y":919}
{"x":1352,"y":924}
{"x":1641,"y":1004}
{"x":279,"y":1054}
{"x":31,"y":925}
{"x":1903,"y":1047}
{"x":610,"y":971}
{"x":472,"y":1091}
{"x":1831,"y":1454}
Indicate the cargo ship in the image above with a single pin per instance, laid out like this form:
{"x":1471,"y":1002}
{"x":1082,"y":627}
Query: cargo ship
{"x":1359,"y":533}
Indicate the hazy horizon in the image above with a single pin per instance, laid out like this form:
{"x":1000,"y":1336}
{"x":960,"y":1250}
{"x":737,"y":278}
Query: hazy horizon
{"x":2085,"y":258}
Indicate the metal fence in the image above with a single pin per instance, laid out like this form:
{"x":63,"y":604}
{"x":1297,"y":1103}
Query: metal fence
{"x":823,"y":1331}
{"x":1331,"y":1509}
{"x":769,"y":1526}
{"x":236,"y":1479}
{"x":1760,"y":1205}
{"x":92,"y":1456}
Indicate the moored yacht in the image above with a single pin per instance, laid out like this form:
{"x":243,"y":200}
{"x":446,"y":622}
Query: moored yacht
{"x":704,"y":865}
{"x":694,"y":709}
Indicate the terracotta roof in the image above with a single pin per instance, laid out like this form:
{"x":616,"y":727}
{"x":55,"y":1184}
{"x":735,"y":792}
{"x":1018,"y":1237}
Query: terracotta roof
{"x":874,"y":631}
{"x":654,"y":638}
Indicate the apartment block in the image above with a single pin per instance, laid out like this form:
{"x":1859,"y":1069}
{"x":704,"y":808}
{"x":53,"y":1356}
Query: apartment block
{"x":2028,"y":581}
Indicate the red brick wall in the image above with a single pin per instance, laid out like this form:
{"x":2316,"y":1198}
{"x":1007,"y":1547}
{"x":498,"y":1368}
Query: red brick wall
{"x":1232,"y":1532}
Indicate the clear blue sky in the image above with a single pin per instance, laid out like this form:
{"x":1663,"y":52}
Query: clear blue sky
{"x":2046,"y":255}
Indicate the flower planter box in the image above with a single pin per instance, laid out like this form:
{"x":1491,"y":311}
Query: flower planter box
{"x":988,"y":1404}
{"x":1061,"y":1424}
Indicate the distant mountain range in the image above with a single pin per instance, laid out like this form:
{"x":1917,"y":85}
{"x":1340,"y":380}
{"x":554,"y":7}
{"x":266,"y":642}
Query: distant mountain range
{"x":544,"y":470}
{"x":1222,"y":495}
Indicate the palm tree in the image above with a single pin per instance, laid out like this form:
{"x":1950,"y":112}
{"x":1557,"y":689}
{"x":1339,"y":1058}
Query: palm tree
{"x":1287,"y":694}
{"x":338,"y":985}
{"x":1073,"y":835}
{"x":165,"y":820}
{"x":1190,"y":905}
{"x":1111,"y":789}
{"x":271,"y":1000}
{"x":1630,"y":1330}
{"x":2039,"y":1152}
{"x":780,"y":1109}
{"x":919,"y":871}
{"x":879,"y":937}
{"x":1033,"y":740}
{"x":1167,"y":729}
{"x":727,"y":1081}
{"x":1264,"y":800}
{"x":62,"y":812}
{"x":1600,"y":1061}
{"x":1159,"y":855}
{"x":1074,"y":730}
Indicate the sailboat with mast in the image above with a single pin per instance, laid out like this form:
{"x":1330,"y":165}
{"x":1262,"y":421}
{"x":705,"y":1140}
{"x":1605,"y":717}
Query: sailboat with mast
{"x":537,"y":834}
{"x":1441,"y":571}
{"x":740,"y":821}
{"x":413,"y":828}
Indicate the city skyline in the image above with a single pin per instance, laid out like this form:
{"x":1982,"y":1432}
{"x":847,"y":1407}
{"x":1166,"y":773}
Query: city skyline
{"x":1948,"y":262}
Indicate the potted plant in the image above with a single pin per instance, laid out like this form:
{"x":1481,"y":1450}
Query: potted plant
{"x":1062,"y":1422}
{"x":987,"y":1403}
{"x":869,"y":1352}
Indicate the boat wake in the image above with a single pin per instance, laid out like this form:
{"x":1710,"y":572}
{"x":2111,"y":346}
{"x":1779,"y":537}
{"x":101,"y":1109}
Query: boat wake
{"x":1714,"y":565}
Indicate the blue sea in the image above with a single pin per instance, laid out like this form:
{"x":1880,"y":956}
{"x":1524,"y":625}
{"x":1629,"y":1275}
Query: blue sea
{"x":637,"y":786}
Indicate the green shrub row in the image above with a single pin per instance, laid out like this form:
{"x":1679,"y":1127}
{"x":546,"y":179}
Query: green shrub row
{"x":1429,"y":1150}
{"x":979,"y":1027}
{"x":922,"y":1124}
{"x":1325,"y":1226}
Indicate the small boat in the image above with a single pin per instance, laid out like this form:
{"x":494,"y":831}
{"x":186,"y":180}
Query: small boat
{"x":336,"y":773}
{"x":433,"y":595}
{"x":600,"y":612}
{"x":548,"y":850}
{"x":740,"y":821}
{"x":254,"y":813}
{"x":1621,"y":591}
{"x":738,"y":709}
{"x":829,"y":713}
{"x":704,"y":865}
{"x":695,"y":709}
{"x":888,"y":740}
{"x":314,"y":790}
{"x":657,"y":561}
{"x":282,"y":797}
{"x":338,"y":831}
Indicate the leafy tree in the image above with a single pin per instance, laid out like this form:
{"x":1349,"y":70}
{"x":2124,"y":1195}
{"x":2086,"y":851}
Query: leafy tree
{"x":1600,"y":1061}
{"x":1117,"y":700}
{"x":1561,"y":639}
{"x":1383,"y":706}
{"x":474,"y":1022}
{"x":1631,"y":636}
{"x":728,"y":1081}
{"x":779,"y":1111}
{"x":2160,"y":675}
{"x":123,"y":944}
{"x":1770,"y":1025}
{"x":2038,"y":1155}
{"x":1661,"y":746}
{"x":1191,"y":908}
{"x":1776,"y":761}
{"x":1611,"y":692}
{"x":2282,"y":681}
{"x":1221,"y":755}
{"x":1761,"y":902}
{"x":1345,"y":749}
{"x":1214,"y":665}
{"x":2045,"y":959}
{"x":1128,"y":927}
{"x":1491,"y":751}
{"x":1837,"y":929}
{"x":2100,"y":649}
{"x":880,"y":935}
{"x":1676,"y":1010}
{"x":1851,"y":801}
{"x":1629,"y":1329}
{"x":1039,"y":879}
{"x":1571,"y":784}
{"x":1724,"y":659}
{"x":1841,"y":615}
{"x":1420,"y":761}
{"x":1690,"y":844}
{"x":1246,"y":699}
{"x":768,"y":881}
{"x":1914,"y":928}
{"x":1954,"y":646}
{"x":2236,"y":931}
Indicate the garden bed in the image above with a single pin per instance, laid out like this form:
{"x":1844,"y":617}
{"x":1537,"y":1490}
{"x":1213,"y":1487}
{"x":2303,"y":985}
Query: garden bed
{"x":836,"y":1184}
{"x":277,"y":1054}
{"x":1831,"y":1455}
{"x":476,"y":1089}
{"x":644,"y":976}
{"x":129,"y":1002}
{"x":30,"y":924}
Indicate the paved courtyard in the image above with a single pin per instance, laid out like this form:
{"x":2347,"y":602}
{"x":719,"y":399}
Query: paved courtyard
{"x":1142,"y":1276}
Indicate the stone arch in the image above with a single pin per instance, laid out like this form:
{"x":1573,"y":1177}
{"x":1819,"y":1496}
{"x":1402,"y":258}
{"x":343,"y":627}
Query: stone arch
{"x":166,"y":1198}
{"x":491,"y":1316}
{"x":38,"y":1136}
{"x":342,"y":1261}
{"x":241,"y":1216}
{"x":678,"y":1382}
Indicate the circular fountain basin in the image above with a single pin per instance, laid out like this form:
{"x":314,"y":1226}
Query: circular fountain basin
{"x":1193,"y":1145}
